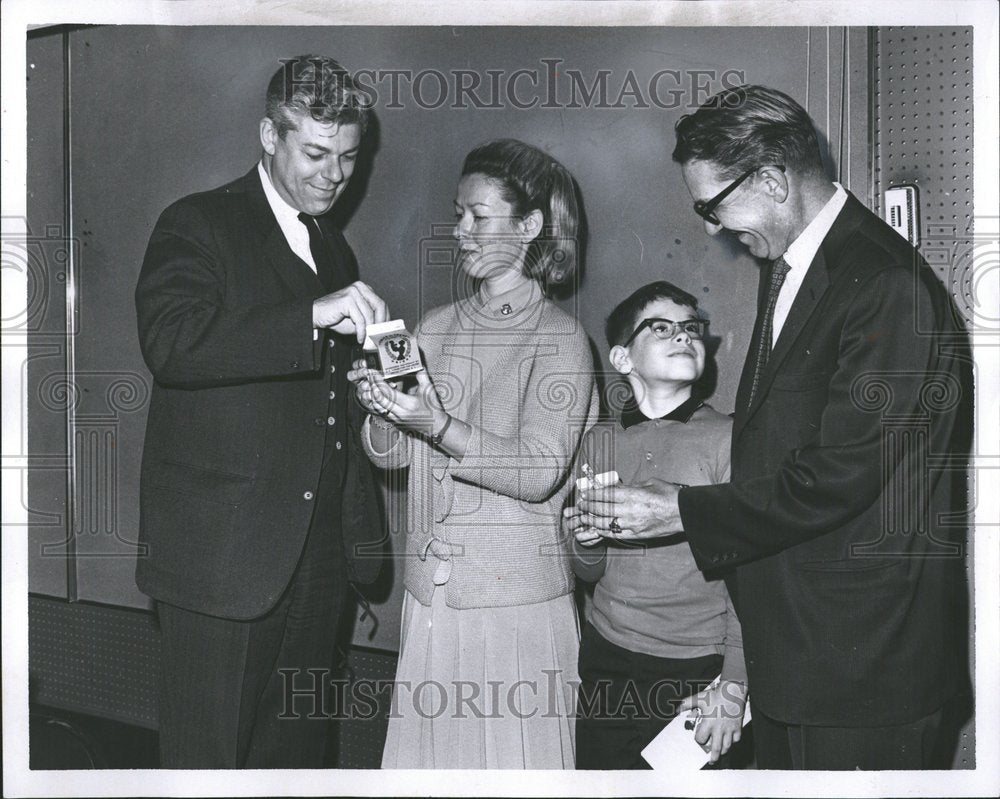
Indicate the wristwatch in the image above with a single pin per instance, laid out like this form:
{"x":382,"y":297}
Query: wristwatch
{"x":436,"y":437}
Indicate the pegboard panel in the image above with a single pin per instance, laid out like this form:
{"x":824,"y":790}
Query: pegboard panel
{"x":923,"y":134}
{"x":94,"y":659}
{"x":104,"y":661}
{"x":360,"y":738}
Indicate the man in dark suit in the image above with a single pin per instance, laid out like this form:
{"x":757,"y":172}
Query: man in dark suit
{"x":257,"y":503}
{"x":830,"y":528}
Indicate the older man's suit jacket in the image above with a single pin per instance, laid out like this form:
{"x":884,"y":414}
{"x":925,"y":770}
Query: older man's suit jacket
{"x":843,"y":577}
{"x":237,"y":424}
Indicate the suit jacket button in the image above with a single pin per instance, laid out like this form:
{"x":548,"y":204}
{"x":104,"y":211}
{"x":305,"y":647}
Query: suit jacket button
{"x":295,"y":364}
{"x":308,"y":495}
{"x":339,"y":445}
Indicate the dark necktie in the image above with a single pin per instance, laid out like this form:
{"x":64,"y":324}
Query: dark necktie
{"x":320,"y":249}
{"x":778,"y":271}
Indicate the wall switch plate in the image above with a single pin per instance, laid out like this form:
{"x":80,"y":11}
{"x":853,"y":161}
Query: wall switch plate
{"x":902,"y":212}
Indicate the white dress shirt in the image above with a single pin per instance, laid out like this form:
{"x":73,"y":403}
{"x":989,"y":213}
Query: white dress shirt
{"x":800,"y":254}
{"x":288,"y":220}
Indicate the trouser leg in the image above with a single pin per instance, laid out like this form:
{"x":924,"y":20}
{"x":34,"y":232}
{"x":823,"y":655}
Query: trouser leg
{"x":293,"y":713}
{"x":210,"y":679}
{"x":626,"y":698}
{"x":222,"y":686}
{"x":909,"y":746}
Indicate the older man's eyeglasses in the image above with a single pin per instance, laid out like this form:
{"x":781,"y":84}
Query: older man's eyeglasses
{"x":667,"y":328}
{"x":706,"y":208}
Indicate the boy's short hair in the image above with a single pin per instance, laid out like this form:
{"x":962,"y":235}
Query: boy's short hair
{"x":623,"y":319}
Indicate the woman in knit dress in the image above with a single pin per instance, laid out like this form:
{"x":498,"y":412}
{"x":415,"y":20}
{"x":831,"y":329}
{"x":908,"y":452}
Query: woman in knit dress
{"x":487,"y":670}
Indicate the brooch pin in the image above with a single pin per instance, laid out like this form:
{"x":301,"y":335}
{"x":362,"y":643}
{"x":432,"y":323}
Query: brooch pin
{"x":506,"y":310}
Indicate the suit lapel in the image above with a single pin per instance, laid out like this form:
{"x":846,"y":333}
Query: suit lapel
{"x":810,"y":293}
{"x":806,"y":300}
{"x":812,"y":289}
{"x":341,"y":275}
{"x":746,"y":377}
{"x":292,"y":270}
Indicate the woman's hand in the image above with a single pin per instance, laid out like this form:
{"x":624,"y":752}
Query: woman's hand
{"x":362,"y":386}
{"x":418,"y":411}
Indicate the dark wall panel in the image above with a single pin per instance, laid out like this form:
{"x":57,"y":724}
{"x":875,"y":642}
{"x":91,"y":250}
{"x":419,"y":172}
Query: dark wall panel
{"x":44,"y":259}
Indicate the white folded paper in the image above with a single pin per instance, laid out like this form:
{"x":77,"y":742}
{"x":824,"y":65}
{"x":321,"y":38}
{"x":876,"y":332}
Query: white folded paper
{"x":591,"y":480}
{"x":675,"y":747}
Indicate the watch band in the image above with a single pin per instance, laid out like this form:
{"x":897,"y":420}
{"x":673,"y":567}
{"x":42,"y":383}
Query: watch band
{"x":436,"y":437}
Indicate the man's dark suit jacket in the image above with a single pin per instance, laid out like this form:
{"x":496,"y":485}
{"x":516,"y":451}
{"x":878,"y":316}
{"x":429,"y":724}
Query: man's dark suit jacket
{"x":842,"y":589}
{"x":235,"y":435}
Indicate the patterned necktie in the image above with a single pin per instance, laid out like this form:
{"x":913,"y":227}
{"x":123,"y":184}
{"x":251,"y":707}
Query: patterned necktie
{"x":320,"y":250}
{"x":778,"y":271}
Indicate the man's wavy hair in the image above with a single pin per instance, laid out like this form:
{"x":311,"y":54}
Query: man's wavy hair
{"x":747,"y":127}
{"x":317,"y":86}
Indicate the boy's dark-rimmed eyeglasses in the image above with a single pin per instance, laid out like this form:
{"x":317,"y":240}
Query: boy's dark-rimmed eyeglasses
{"x":706,"y":208}
{"x":667,"y":328}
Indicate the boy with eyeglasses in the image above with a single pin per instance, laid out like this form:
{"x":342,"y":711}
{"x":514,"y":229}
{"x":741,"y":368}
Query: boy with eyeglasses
{"x":659,"y":631}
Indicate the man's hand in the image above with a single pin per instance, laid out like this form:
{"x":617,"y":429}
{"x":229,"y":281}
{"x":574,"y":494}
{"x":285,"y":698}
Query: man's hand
{"x":350,"y":310}
{"x":720,"y":716}
{"x":645,"y":511}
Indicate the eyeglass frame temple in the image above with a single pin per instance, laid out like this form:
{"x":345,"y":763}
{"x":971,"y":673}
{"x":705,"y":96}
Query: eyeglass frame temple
{"x":706,"y":209}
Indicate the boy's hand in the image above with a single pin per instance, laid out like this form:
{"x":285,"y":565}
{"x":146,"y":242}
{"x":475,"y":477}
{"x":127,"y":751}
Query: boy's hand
{"x":720,"y":719}
{"x":573,"y":524}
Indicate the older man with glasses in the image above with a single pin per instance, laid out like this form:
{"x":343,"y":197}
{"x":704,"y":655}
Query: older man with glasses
{"x":831,"y":528}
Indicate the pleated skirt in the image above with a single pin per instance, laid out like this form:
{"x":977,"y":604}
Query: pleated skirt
{"x":485,"y":688}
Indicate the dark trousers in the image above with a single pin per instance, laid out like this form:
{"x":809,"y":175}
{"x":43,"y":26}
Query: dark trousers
{"x":908,"y":746}
{"x":627,"y":697}
{"x":224,"y":701}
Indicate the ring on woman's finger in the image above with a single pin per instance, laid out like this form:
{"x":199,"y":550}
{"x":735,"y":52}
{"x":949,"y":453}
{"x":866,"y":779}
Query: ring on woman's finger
{"x":614,"y":527}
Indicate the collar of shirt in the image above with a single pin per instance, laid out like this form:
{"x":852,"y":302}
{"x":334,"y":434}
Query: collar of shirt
{"x":288,"y":219}
{"x":801,"y":253}
{"x":631,"y":415}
